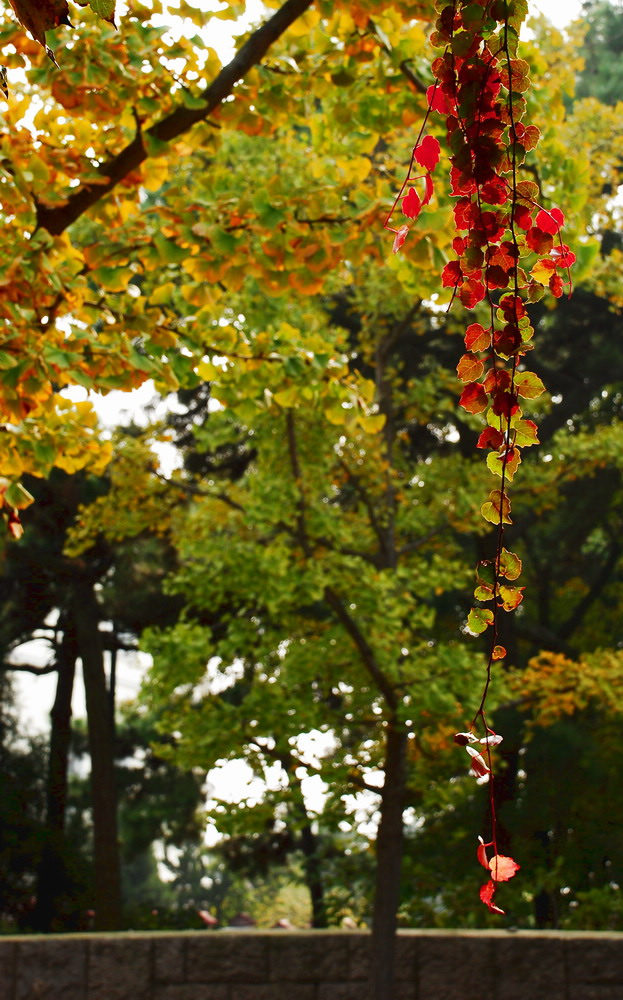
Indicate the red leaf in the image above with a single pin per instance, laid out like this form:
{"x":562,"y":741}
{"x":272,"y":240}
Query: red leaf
{"x":490,"y":438}
{"x":471,"y":293}
{"x":462,"y":739}
{"x":503,"y":868}
{"x":429,"y":189}
{"x":523,"y":217}
{"x":538,"y":240}
{"x":427,"y":153}
{"x":411,"y":204}
{"x":399,"y":238}
{"x":437,"y":100}
{"x":477,"y":338}
{"x":451,"y":274}
{"x":474,"y":398}
{"x":550,"y":222}
{"x":481,"y":853}
{"x":487,"y":895}
{"x":478,"y":767}
{"x":469,"y":368}
{"x":504,"y":404}
{"x":498,"y":653}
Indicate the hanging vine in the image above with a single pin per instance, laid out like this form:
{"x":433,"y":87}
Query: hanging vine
{"x":509,"y":251}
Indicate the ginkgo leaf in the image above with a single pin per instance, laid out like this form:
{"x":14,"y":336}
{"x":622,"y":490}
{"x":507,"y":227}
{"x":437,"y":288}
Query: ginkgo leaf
{"x":104,"y":9}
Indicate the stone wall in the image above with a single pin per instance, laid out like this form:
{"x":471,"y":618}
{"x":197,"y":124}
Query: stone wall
{"x":314,"y":965}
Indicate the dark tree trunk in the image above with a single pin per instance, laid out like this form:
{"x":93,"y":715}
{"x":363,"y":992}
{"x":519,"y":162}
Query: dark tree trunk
{"x":107,"y":874}
{"x":389,"y":848}
{"x":313,"y":875}
{"x":51,"y":875}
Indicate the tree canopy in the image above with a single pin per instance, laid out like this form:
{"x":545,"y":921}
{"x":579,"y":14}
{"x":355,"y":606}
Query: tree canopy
{"x":220,"y":230}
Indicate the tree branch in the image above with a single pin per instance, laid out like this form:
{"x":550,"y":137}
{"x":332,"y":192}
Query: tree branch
{"x":57,"y":219}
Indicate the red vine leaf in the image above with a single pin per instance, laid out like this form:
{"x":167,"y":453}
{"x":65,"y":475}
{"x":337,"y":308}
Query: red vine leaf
{"x":478,"y":765}
{"x":509,"y":565}
{"x":427,"y":152}
{"x":497,"y":508}
{"x":474,"y":398}
{"x":529,"y":385}
{"x":503,"y":868}
{"x":487,"y":895}
{"x":477,"y":338}
{"x":470,"y":368}
{"x":479,"y":619}
{"x":400,"y":237}
{"x":411,"y":204}
{"x":550,"y":222}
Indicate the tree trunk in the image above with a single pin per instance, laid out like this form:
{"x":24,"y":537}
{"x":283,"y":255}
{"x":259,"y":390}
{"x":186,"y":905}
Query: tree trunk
{"x":389,"y":847}
{"x":107,"y":873}
{"x":313,"y":875}
{"x":51,"y":875}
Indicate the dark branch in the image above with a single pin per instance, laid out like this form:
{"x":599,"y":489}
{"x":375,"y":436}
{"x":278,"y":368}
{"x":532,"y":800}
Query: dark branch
{"x":57,"y":219}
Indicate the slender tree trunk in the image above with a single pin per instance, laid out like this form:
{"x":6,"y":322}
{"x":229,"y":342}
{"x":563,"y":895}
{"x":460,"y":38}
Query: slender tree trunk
{"x":107,"y":875}
{"x":51,"y":876}
{"x":389,"y":848}
{"x":313,"y":875}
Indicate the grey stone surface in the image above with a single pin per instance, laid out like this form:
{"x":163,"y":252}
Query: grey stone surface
{"x":50,"y":969}
{"x":119,"y":968}
{"x":8,"y":955}
{"x":316,"y":965}
{"x":191,"y":991}
{"x":592,"y":961}
{"x":455,"y":968}
{"x":239,"y":957}
{"x":169,"y":959}
{"x":309,"y":958}
{"x":530,"y":969}
{"x":274,"y":991}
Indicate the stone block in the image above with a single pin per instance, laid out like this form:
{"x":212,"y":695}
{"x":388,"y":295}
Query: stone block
{"x":194,"y":991}
{"x":238,"y":957}
{"x":359,"y":957}
{"x":119,"y":968}
{"x":8,"y":956}
{"x":51,"y":969}
{"x":169,"y":955}
{"x":528,"y":968}
{"x":359,"y":991}
{"x":273,"y":991}
{"x":595,"y":961}
{"x":311,"y":957}
{"x":456,"y":967}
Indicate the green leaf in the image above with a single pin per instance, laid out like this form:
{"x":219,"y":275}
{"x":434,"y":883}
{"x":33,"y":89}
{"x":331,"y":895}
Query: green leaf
{"x":18,"y":496}
{"x":509,"y":565}
{"x":104,"y":9}
{"x":479,"y":619}
{"x":529,"y":385}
